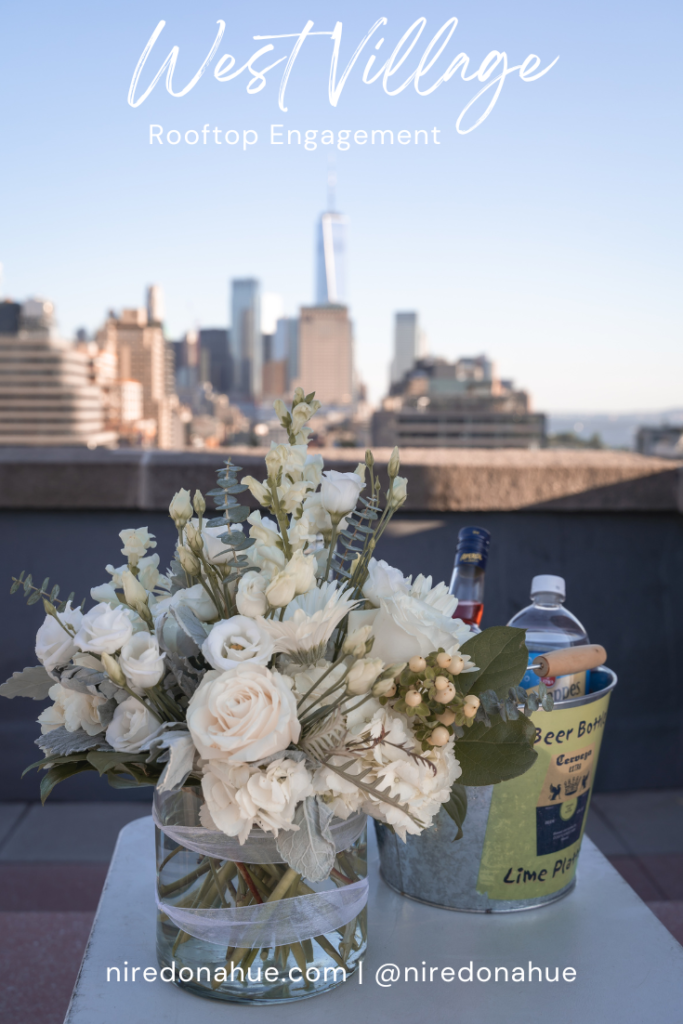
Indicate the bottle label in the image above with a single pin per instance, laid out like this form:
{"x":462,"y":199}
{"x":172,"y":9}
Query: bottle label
{"x":562,"y":687}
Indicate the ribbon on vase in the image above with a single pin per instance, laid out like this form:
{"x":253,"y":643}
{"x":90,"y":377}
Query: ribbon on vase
{"x":260,"y":847}
{"x":265,"y":925}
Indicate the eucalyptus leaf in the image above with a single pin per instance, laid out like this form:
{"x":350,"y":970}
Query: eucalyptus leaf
{"x":456,"y":806}
{"x":60,"y":741}
{"x":497,"y":753}
{"x":501,"y":657}
{"x":30,"y":682}
{"x":310,"y":850}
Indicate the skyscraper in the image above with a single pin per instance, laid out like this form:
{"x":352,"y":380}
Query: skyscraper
{"x":245,"y":339}
{"x":326,"y":354}
{"x":406,"y":345}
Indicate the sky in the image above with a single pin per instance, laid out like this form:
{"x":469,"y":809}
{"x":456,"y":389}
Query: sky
{"x":547,"y":237}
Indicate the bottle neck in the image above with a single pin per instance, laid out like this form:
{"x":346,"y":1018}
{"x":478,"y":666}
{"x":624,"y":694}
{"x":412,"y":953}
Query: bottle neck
{"x":467,"y":582}
{"x":547,"y":600}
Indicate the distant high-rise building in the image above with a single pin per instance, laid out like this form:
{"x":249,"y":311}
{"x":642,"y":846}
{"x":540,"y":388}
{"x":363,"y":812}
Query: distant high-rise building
{"x":286,"y":346}
{"x":214,"y":358}
{"x":325,"y":358}
{"x":330,"y":273}
{"x":246,"y":347}
{"x":155,"y":304}
{"x":47,"y":392}
{"x":406,"y":345}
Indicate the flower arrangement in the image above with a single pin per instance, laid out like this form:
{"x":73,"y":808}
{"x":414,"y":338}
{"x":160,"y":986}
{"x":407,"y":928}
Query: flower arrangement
{"x":279,"y":671}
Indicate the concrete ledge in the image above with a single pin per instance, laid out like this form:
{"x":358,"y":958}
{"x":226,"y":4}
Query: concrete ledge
{"x":441,"y":480}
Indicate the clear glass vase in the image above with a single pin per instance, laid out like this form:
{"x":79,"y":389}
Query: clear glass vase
{"x":214,"y":888}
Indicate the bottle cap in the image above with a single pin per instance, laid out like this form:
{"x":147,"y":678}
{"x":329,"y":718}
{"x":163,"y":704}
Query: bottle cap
{"x":473,"y":546}
{"x":548,"y":585}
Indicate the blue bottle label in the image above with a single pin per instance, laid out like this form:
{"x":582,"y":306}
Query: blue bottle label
{"x":563,"y":687}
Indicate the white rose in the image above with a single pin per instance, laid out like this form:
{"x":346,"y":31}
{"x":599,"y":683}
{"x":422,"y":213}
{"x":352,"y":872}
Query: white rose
{"x":251,"y":597}
{"x":54,"y":646}
{"x":142,"y":661}
{"x":136,"y":543}
{"x":363,"y":674}
{"x":339,"y":492}
{"x":406,"y":626}
{"x":73,"y":710}
{"x":243,"y":715}
{"x":384,"y":582}
{"x":236,"y":640}
{"x":131,"y":725}
{"x":104,"y":629}
{"x":281,"y":590}
{"x":180,"y":509}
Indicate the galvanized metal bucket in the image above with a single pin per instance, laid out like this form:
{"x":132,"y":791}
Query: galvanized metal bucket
{"x":521,"y":838}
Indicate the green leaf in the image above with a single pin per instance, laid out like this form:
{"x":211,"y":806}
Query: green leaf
{"x":35,"y":596}
{"x":501,"y":657}
{"x":105,"y":760}
{"x":495,"y":754}
{"x":456,"y":806}
{"x":66,"y":759}
{"x":55,"y":592}
{"x":58,"y":774}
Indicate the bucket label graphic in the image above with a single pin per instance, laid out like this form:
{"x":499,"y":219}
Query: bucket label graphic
{"x":536,"y":821}
{"x":562,"y":687}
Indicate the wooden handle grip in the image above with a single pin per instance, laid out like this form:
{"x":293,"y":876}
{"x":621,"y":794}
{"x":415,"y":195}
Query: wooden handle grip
{"x":570,"y":659}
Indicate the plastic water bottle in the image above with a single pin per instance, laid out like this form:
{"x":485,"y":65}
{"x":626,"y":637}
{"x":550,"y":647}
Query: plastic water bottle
{"x":549,"y":626}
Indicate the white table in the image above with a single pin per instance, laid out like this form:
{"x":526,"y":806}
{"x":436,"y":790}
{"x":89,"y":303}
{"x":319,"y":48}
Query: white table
{"x":629,"y":969}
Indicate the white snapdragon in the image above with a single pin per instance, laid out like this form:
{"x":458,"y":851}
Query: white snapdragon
{"x":243,"y":715}
{"x":142,"y":662}
{"x":104,"y":629}
{"x":131,"y":726}
{"x":72,"y":710}
{"x":136,"y":543}
{"x":234,"y":641}
{"x":55,"y":647}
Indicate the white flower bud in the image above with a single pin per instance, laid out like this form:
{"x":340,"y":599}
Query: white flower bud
{"x":281,"y":410}
{"x":281,"y":590}
{"x":251,"y":596}
{"x":188,"y":560}
{"x":394,"y":464}
{"x":113,"y":669}
{"x":399,"y":491}
{"x":198,"y":503}
{"x":363,"y":674}
{"x":302,"y":569}
{"x":180,"y":509}
{"x":384,"y":688}
{"x":360,"y":470}
{"x":356,"y":642}
{"x":194,"y":539}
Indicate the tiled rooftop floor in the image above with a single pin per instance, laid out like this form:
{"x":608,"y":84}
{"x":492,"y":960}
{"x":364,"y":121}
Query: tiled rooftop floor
{"x":53,"y":862}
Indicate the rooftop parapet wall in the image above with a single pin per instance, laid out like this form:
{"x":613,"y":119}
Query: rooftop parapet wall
{"x":452,"y":480}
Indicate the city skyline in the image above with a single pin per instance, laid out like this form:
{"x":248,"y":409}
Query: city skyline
{"x":548,"y":236}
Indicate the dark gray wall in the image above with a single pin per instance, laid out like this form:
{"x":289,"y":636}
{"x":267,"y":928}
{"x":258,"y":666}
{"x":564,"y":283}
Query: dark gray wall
{"x":624,"y":574}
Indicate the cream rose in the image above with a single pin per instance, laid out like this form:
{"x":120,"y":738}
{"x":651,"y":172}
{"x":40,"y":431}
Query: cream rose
{"x":131,"y":726}
{"x":104,"y":629}
{"x":243,"y":715}
{"x":142,"y":662}
{"x":73,"y":710}
{"x":55,"y":647}
{"x":234,"y":641}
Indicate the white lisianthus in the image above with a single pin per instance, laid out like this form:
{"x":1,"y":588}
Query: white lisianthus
{"x":384,"y":582}
{"x":363,"y":674}
{"x":136,"y":544}
{"x":251,"y":597}
{"x":407,"y":626}
{"x":73,"y":710}
{"x":142,"y":662}
{"x":240,"y":797}
{"x":180,"y":509}
{"x":234,"y":641}
{"x":245,"y":714}
{"x":356,"y":642}
{"x":398,"y":492}
{"x":217,"y":551}
{"x":281,"y":590}
{"x":339,"y":492}
{"x":195,"y":598}
{"x":55,"y":647}
{"x":131,"y":726}
{"x":104,"y":629}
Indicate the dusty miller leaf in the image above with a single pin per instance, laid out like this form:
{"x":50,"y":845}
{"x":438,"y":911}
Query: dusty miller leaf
{"x":310,"y":850}
{"x":189,"y":623}
{"x":60,"y":741}
{"x":30,"y":682}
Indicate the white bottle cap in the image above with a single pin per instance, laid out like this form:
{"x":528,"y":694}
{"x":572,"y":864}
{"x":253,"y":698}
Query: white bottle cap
{"x":548,"y":585}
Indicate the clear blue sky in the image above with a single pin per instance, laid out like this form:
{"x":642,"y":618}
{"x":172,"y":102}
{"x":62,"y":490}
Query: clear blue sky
{"x":549,"y":237}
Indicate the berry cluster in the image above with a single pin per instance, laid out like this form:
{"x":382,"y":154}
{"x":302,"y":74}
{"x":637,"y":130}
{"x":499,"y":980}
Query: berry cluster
{"x":426,"y":691}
